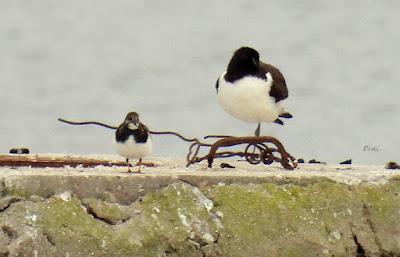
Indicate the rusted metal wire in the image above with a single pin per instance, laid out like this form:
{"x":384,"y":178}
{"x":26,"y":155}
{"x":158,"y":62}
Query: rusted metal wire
{"x":87,"y":123}
{"x":115,"y":127}
{"x":174,"y":134}
{"x":216,"y":136}
{"x":257,"y":151}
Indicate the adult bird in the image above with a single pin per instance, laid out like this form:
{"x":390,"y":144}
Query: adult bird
{"x":251,"y":90}
{"x":132,"y":139}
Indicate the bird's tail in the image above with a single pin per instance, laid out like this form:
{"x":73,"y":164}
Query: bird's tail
{"x":283,"y":113}
{"x":286,"y":115}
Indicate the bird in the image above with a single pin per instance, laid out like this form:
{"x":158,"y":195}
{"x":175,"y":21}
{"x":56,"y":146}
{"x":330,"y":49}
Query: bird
{"x":251,"y":90}
{"x":132,"y":139}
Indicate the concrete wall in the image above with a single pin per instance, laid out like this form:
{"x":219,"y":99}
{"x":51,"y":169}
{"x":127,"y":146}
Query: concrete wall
{"x":92,"y":214}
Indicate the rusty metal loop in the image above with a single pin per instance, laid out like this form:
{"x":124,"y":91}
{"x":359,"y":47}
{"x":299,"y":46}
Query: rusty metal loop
{"x":191,"y":157}
{"x":253,"y":157}
{"x":267,"y":156}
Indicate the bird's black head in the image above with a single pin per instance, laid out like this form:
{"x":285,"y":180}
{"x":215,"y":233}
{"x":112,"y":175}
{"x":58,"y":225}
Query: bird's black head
{"x":132,"y":120}
{"x":245,"y":61}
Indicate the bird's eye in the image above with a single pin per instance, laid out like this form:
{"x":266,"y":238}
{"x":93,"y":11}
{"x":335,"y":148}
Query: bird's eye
{"x":255,"y":61}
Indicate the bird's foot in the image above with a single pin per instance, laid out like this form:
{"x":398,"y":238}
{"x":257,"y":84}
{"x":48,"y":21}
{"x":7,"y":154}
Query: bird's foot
{"x":129,"y":165}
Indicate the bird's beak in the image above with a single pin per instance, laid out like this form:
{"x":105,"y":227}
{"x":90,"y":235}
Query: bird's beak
{"x":133,"y":125}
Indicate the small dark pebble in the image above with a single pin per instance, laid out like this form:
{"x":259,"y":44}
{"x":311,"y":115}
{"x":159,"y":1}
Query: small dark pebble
{"x":346,"y":162}
{"x":313,"y":161}
{"x":301,"y":160}
{"x":392,"y":166}
{"x":226,"y":165}
{"x":22,"y":150}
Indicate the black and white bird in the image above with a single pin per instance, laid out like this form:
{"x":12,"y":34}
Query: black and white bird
{"x":251,"y":90}
{"x":132,"y":139}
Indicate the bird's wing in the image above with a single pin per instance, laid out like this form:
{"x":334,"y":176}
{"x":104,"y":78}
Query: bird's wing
{"x":144,"y":127}
{"x":120,"y":134}
{"x":141,"y":134}
{"x":279,"y":89}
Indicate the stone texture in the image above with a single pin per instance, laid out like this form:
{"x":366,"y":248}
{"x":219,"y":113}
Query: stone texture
{"x":205,"y":216}
{"x":5,"y":202}
{"x":164,"y":222}
{"x":111,"y":213}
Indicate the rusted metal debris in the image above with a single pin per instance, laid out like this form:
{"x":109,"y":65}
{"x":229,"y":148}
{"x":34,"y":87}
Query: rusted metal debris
{"x":262,"y":149}
{"x":38,"y":161}
{"x":392,"y":166}
{"x":115,"y":127}
{"x":20,"y":150}
{"x":257,"y":150}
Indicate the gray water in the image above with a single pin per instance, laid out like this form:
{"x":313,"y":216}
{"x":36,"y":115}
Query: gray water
{"x":98,"y":59}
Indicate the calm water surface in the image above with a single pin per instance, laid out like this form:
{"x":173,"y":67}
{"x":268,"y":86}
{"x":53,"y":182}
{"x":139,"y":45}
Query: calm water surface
{"x":97,"y":60}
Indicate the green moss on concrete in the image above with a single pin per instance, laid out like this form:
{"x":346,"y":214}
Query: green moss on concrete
{"x":110,"y":212}
{"x":381,"y":209}
{"x":164,"y":223}
{"x":18,"y":192}
{"x":28,"y":190}
{"x":381,"y":199}
{"x":72,"y":229}
{"x":264,"y":217}
{"x":168,"y":218}
{"x":318,"y":219}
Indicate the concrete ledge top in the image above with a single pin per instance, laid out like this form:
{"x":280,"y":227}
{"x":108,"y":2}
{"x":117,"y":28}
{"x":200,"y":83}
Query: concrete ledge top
{"x":175,"y":169}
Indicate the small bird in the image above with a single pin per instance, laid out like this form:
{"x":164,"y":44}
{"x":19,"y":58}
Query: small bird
{"x":132,"y":139}
{"x":251,"y":90}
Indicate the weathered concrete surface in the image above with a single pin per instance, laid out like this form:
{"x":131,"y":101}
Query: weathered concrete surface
{"x":172,"y":211}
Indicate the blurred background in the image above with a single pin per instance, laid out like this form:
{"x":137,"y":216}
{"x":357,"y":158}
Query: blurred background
{"x":98,"y":60}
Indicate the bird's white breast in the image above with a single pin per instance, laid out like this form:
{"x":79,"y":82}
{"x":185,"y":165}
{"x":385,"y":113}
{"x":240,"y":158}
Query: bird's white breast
{"x":132,"y":150}
{"x":248,"y":99}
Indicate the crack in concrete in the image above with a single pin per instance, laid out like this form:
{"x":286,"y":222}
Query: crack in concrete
{"x":8,"y":203}
{"x":367,"y":214}
{"x":360,"y":251}
{"x":49,"y":238}
{"x":96,"y":216}
{"x":92,"y":213}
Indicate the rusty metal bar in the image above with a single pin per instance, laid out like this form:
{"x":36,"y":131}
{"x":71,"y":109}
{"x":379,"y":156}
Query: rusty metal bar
{"x":38,"y":161}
